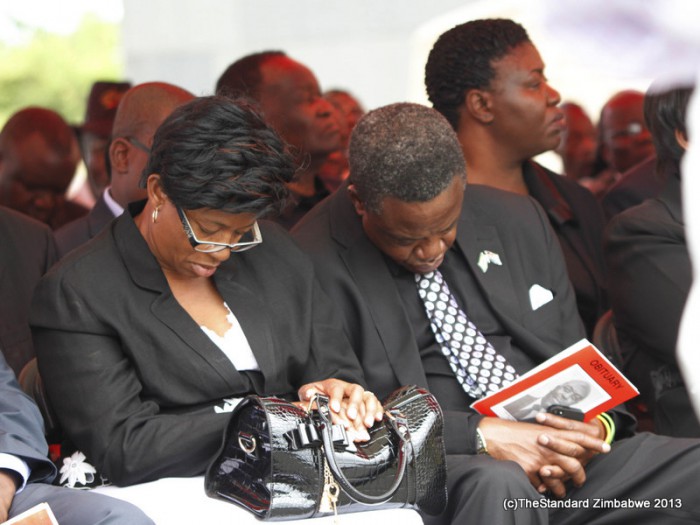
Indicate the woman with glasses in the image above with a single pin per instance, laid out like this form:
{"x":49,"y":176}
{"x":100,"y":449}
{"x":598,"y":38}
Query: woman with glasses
{"x":148,"y":335}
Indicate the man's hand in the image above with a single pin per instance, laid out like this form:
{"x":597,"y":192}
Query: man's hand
{"x":552,"y":475}
{"x":351,"y":405}
{"x":549,"y":455}
{"x":8,"y":487}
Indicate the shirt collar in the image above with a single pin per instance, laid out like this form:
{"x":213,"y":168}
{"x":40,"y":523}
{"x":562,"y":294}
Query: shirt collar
{"x":113,"y":206}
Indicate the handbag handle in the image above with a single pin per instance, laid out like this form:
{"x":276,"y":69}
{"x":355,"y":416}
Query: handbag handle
{"x":329,"y":451}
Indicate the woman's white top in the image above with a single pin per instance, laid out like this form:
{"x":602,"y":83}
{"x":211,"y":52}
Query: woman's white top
{"x":234,"y":344}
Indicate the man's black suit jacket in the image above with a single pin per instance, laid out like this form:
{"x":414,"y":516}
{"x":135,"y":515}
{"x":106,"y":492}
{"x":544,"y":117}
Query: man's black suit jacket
{"x":355,"y":275}
{"x":80,"y":231}
{"x":132,"y":377}
{"x":27,"y":251}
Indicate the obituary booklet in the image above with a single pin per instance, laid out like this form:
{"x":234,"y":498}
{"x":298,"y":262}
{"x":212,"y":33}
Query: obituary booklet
{"x":38,"y":515}
{"x":580,"y":377}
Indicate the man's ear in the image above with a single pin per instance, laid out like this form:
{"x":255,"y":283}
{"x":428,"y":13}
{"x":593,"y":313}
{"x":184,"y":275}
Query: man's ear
{"x":478,"y":103}
{"x":119,"y":155}
{"x":356,"y":201}
{"x":682,"y":139}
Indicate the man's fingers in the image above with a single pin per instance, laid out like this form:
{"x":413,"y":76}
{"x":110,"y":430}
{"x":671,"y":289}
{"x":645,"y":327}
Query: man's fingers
{"x":572,"y":443}
{"x":553,"y":480}
{"x":571,"y":468}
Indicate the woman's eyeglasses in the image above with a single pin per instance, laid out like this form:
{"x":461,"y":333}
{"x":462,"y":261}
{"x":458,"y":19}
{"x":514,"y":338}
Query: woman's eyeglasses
{"x":248,"y":240}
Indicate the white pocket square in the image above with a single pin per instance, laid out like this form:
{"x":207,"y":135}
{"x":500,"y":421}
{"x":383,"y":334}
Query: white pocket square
{"x":539,"y":296}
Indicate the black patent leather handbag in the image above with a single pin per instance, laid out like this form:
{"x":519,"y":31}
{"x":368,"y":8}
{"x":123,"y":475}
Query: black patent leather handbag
{"x":281,"y":462}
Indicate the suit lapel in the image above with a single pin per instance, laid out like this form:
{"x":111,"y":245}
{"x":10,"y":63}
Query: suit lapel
{"x":367,"y":266}
{"x":253,"y":318}
{"x":496,"y":281}
{"x":146,"y":273}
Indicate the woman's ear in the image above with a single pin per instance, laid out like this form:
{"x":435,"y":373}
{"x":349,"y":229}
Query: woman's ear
{"x":155,"y":192}
{"x":682,"y":139}
{"x":479,"y":105}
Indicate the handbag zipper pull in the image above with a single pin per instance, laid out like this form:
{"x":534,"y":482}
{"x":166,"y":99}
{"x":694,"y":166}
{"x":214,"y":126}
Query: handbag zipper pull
{"x":329,"y":498}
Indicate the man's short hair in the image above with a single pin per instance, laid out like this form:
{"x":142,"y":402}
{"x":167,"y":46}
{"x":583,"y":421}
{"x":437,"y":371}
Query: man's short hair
{"x":462,"y":59}
{"x":406,"y":151}
{"x":243,"y":78}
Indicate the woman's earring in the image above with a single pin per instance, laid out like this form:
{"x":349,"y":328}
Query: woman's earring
{"x":154,"y":216}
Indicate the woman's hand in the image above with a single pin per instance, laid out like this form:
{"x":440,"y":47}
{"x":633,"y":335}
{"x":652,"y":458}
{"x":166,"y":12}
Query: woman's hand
{"x":351,"y":405}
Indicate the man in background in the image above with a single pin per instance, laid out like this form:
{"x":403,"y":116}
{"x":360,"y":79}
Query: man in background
{"x":141,"y":110}
{"x":38,"y":157}
{"x":290,"y":98}
{"x":94,"y":133}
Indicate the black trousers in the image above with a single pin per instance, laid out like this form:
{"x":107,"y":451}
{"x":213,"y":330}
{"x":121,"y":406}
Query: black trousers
{"x":645,"y":479}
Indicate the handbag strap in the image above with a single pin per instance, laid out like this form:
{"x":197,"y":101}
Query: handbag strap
{"x":402,"y":432}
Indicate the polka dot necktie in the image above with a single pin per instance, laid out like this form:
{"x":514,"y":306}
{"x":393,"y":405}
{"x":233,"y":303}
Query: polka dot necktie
{"x":476,"y":364}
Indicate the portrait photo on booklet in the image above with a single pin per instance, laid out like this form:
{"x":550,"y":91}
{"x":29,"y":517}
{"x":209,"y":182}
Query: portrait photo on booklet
{"x":579,"y":383}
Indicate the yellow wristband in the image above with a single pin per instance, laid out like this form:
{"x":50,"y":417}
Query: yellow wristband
{"x":609,"y":425}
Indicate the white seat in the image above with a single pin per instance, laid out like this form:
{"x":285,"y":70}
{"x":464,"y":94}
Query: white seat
{"x":173,"y":501}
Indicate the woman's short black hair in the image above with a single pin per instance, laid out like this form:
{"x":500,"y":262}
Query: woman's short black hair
{"x":462,"y":59}
{"x":218,"y":153}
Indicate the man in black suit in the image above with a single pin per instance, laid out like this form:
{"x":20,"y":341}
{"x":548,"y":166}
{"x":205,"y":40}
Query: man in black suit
{"x":28,"y":251}
{"x":641,"y":182}
{"x":141,"y":110}
{"x":487,"y":78}
{"x":404,"y":215}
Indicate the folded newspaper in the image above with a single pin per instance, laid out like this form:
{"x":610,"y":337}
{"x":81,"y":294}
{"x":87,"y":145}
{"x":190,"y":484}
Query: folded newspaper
{"x":580,"y":378}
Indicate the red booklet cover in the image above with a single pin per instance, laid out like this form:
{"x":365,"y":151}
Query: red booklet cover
{"x":580,"y":377}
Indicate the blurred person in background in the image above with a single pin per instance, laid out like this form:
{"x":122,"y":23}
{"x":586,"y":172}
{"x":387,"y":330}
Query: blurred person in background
{"x":94,"y":133}
{"x":335,"y":170}
{"x":142,"y":109}
{"x":578,"y":145}
{"x":38,"y":157}
{"x":290,"y":98}
{"x":651,"y":273}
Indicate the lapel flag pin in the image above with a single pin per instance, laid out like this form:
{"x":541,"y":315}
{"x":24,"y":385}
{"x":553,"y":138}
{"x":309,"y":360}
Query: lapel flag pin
{"x":487,"y":257}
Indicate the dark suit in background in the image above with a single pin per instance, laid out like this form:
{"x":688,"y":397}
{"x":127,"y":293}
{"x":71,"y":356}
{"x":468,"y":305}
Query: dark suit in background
{"x":650,"y":277}
{"x":107,"y":328}
{"x":80,"y":231}
{"x":577,"y":219}
{"x":639,"y":183}
{"x":362,"y":283}
{"x":27,"y":251}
